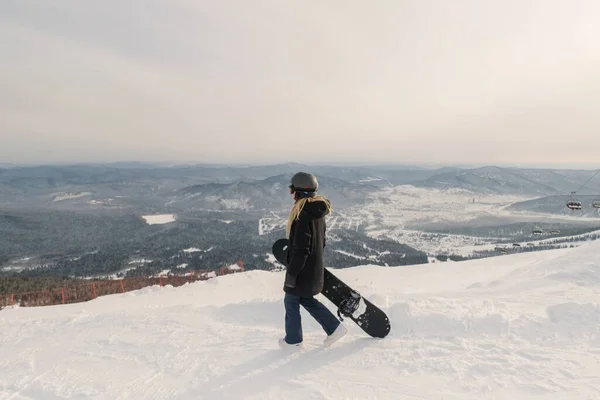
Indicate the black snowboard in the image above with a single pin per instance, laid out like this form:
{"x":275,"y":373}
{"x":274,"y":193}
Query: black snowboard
{"x":350,"y":303}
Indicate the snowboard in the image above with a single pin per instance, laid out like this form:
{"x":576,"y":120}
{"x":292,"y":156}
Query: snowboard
{"x":350,"y":303}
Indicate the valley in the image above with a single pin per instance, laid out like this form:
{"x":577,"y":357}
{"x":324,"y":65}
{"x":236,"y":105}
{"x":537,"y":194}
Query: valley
{"x":97,"y":221}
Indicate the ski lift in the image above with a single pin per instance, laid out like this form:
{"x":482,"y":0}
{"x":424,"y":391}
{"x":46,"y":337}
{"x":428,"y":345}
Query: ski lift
{"x":576,"y":205}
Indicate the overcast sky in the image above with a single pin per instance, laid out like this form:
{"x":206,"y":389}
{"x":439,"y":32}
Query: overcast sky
{"x":461,"y":81}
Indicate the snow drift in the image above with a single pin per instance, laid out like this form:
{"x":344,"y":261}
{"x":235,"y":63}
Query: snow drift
{"x":511,"y":327}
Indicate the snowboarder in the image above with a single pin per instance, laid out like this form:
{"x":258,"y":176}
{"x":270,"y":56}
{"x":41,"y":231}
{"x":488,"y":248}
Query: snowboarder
{"x":304,"y":277}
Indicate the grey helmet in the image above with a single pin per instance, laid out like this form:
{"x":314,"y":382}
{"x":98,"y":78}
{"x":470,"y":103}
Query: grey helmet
{"x":304,"y":182}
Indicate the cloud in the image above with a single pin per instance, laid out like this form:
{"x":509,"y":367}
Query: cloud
{"x":309,"y":81}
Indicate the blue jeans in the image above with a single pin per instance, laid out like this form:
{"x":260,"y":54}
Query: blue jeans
{"x":293,"y":323}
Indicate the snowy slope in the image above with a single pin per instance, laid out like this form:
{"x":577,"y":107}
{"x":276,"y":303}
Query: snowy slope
{"x":523,"y":326}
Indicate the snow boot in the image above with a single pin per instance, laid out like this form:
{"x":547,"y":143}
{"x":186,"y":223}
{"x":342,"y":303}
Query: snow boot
{"x":285,"y":345}
{"x":339,"y":333}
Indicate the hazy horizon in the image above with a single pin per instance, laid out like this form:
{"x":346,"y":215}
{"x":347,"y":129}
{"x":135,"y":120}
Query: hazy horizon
{"x":231,"y":82}
{"x":425,"y":165}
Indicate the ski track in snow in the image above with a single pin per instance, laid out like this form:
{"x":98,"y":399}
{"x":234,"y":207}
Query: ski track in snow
{"x":514,"y":327}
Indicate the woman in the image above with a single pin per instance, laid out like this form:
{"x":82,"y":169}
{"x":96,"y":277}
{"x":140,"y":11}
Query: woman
{"x":304,"y":276}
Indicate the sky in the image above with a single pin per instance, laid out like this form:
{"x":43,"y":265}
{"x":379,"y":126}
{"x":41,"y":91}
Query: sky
{"x":264,"y":81}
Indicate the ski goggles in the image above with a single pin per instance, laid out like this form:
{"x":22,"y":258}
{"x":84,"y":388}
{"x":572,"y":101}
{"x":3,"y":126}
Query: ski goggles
{"x":302,"y":191}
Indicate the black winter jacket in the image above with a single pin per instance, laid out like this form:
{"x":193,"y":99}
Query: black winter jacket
{"x":305,"y":250}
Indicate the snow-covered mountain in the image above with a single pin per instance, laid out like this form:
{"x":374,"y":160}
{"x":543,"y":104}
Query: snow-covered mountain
{"x":557,"y":205}
{"x":499,"y":180}
{"x":265,"y":194}
{"x":358,"y":184}
{"x":523,"y":326}
{"x":163,"y":179}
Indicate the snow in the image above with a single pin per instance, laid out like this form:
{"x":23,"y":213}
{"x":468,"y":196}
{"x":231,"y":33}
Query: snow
{"x":370,"y":179}
{"x":241,"y":203}
{"x":106,"y":202}
{"x":270,"y":258}
{"x":469,"y":249}
{"x":117,"y":275}
{"x":196,"y":250}
{"x":211,"y":274}
{"x":394,"y":212}
{"x":271,"y":223}
{"x":69,"y":196}
{"x":159,"y":219}
{"x":362,"y":308}
{"x":350,"y":254}
{"x":519,"y":326}
{"x":140,"y":261}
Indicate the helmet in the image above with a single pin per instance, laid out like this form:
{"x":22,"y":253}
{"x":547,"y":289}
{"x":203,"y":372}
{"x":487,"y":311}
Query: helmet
{"x":304,"y":182}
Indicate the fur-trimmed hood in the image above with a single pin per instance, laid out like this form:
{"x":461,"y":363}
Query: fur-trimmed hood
{"x":312,"y":207}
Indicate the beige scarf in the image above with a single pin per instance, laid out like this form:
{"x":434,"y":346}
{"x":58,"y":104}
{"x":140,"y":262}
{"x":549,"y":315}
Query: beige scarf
{"x":297,"y":209}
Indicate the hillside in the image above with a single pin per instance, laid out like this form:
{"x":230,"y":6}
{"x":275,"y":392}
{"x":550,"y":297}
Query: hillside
{"x":499,"y":180}
{"x":512,"y":327}
{"x":121,"y":186}
{"x":267,"y":194}
{"x":556,"y":205}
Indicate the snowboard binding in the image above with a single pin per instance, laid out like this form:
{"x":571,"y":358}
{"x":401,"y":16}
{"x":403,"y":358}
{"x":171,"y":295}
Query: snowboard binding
{"x":349,"y":305}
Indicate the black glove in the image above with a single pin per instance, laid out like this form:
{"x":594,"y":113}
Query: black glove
{"x":290,"y":281}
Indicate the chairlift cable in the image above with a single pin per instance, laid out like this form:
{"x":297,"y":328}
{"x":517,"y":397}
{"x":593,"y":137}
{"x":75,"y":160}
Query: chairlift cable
{"x":586,"y":182}
{"x":573,"y":204}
